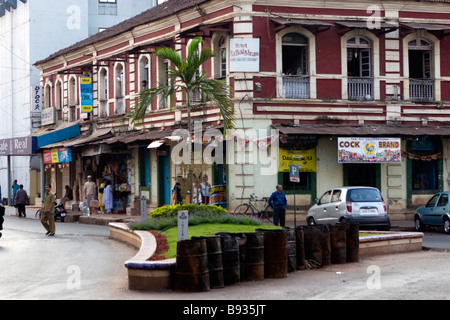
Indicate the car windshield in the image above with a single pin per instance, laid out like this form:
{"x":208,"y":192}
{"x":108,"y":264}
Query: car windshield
{"x":364,"y":195}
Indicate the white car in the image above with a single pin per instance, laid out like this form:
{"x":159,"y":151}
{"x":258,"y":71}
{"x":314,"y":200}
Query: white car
{"x":363,"y":205}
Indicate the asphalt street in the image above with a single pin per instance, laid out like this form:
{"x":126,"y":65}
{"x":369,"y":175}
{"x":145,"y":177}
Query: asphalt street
{"x":82,"y":263}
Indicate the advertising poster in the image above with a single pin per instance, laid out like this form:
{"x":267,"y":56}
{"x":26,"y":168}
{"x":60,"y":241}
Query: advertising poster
{"x":304,"y":159}
{"x":61,"y":155}
{"x":369,"y":150}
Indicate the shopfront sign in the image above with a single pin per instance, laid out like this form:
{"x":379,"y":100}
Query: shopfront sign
{"x":305,"y":160}
{"x":244,"y":55}
{"x":86,"y":92}
{"x":57,"y":155}
{"x":36,"y":101}
{"x":48,"y":116}
{"x":24,"y":146}
{"x":369,"y":150}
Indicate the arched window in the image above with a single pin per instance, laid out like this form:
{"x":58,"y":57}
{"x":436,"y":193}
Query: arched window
{"x":59,"y":100}
{"x":359,"y":69}
{"x":359,"y":57}
{"x":420,"y":53}
{"x":73,"y":98}
{"x":144,"y":73}
{"x":119,"y":76}
{"x":223,"y":57}
{"x":295,"y":65}
{"x":295,"y":54}
{"x":421,"y":84}
{"x":48,"y":96}
{"x":103,"y":93}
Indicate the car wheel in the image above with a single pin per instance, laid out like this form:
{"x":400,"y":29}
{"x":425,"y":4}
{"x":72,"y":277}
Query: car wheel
{"x":418,"y":224}
{"x":311,"y":222}
{"x":447,"y":225}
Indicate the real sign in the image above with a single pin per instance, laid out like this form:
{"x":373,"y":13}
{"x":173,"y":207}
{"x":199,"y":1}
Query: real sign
{"x":25,"y":146}
{"x":369,"y":150}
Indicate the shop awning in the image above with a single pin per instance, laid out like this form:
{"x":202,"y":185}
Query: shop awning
{"x":365,"y":24}
{"x":425,"y":26}
{"x":81,"y":141}
{"x":48,"y":137}
{"x":362,"y":130}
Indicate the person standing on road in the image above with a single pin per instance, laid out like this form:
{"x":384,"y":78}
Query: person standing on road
{"x":90,"y":192}
{"x":48,"y":211}
{"x":278,"y":202}
{"x":20,"y":201}
{"x":14,"y":188}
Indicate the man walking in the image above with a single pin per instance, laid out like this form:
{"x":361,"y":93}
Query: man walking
{"x":278,"y":202}
{"x":47,"y":215}
{"x":20,"y":201}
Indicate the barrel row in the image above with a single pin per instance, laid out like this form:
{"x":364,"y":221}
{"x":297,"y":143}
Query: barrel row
{"x":205,"y":263}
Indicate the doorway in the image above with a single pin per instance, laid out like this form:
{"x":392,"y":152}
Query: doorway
{"x":362,"y":175}
{"x":163,"y":176}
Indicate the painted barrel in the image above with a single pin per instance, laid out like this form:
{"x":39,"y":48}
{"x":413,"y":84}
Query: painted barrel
{"x":352,"y":233}
{"x":215,"y":263}
{"x":254,"y":257}
{"x":338,"y":244}
{"x":300,"y":237}
{"x":242,"y":241}
{"x":292,"y":249}
{"x":275,"y":253}
{"x":313,"y":247}
{"x":230,"y":259}
{"x":191,"y":272}
{"x":325,"y":243}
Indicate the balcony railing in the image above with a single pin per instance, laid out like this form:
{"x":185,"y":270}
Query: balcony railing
{"x":360,"y":88}
{"x":295,"y":87}
{"x":421,"y":90}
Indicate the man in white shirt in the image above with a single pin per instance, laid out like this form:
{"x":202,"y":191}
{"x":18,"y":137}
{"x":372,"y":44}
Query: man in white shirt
{"x":90,"y":192}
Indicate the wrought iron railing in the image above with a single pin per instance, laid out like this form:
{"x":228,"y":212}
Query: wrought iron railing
{"x":296,"y":87}
{"x":421,"y":89}
{"x":360,"y":88}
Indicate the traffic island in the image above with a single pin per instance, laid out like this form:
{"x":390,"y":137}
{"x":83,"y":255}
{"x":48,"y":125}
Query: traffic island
{"x":311,"y":252}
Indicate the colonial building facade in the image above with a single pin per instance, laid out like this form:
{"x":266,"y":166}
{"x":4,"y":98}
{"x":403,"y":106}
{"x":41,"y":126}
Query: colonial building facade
{"x":355,"y":92}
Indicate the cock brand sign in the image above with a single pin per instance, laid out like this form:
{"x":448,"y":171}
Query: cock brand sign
{"x":8,"y":5}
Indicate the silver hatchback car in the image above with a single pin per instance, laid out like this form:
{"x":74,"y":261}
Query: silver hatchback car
{"x":364,"y":205}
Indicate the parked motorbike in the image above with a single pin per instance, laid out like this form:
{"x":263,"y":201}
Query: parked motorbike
{"x":60,"y":212}
{"x":2,"y":214}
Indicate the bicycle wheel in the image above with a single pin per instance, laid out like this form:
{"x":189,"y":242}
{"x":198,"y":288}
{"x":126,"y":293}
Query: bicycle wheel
{"x":244,"y":209}
{"x":267,"y":213}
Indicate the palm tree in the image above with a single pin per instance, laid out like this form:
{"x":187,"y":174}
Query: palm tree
{"x":184,"y":77}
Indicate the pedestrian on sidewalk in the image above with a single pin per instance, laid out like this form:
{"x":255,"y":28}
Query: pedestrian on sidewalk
{"x":68,"y":196}
{"x":48,"y":211}
{"x":90,"y":192}
{"x":108,"y":197}
{"x":101,"y":189}
{"x":278,"y":202}
{"x":20,"y":201}
{"x":14,"y":188}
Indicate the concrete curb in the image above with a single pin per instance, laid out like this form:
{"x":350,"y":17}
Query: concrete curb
{"x":158,"y":275}
{"x":143,"y":274}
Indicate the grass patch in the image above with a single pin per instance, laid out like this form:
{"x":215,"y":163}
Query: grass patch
{"x":362,"y":234}
{"x":207,"y":229}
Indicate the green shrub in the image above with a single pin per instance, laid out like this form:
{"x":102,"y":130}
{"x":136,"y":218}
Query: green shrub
{"x":198,"y":217}
{"x":168,"y":211}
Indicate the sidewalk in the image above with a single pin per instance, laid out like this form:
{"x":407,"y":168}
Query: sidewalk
{"x":399,"y":221}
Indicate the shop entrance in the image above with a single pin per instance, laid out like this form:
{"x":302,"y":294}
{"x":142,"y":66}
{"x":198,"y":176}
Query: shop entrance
{"x":163,"y":176}
{"x":362,"y":174}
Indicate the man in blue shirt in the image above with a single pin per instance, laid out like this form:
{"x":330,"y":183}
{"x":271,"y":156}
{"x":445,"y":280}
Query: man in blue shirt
{"x":278,"y":202}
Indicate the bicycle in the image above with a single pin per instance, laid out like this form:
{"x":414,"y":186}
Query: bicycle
{"x":252,"y":209}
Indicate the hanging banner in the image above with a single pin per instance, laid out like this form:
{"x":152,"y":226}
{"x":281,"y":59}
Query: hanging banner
{"x":86,"y":93}
{"x":304,"y":159}
{"x":369,"y":150}
{"x":61,"y":155}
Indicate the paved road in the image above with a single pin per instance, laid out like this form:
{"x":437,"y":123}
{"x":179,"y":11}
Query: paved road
{"x":81,"y":262}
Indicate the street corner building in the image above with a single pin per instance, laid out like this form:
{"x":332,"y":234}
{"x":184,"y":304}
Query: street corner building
{"x":354,"y":93}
